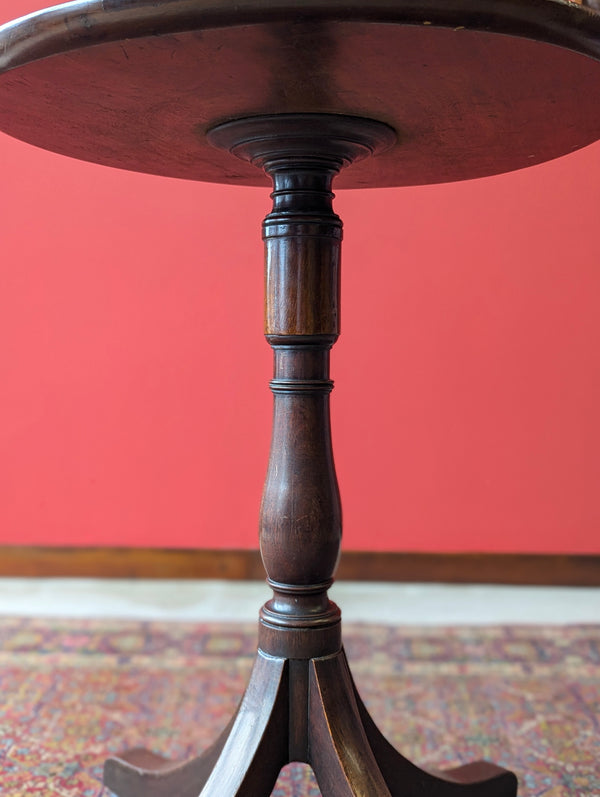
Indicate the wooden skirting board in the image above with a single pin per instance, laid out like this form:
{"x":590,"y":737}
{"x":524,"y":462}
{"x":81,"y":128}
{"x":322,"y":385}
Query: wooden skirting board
{"x":482,"y":568}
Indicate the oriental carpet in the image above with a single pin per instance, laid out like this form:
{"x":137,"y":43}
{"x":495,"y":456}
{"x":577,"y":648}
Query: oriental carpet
{"x":74,"y":692}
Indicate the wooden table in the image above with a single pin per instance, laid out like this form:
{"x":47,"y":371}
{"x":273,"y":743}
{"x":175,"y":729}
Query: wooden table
{"x":297,"y":94}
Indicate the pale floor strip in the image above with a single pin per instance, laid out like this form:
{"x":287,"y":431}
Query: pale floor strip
{"x":396,"y":604}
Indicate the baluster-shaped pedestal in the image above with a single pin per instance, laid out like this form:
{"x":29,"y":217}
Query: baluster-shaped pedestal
{"x":301,"y":703}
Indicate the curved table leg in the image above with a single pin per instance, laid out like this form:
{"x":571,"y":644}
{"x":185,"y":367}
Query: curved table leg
{"x":341,"y":757}
{"x":350,"y":756}
{"x":237,"y":764}
{"x":405,"y":779}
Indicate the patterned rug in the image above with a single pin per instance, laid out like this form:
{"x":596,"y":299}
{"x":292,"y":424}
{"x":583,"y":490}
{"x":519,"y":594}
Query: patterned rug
{"x":74,"y":692}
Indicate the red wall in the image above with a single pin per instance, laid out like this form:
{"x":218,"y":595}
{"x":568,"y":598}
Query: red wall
{"x":134,"y":406}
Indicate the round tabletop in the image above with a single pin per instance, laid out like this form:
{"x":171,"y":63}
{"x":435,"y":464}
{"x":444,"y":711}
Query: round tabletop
{"x":472,"y":87}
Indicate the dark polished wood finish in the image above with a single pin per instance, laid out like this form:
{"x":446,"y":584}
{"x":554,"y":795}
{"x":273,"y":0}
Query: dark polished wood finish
{"x":298,"y":93}
{"x":301,"y":703}
{"x":91,"y":79}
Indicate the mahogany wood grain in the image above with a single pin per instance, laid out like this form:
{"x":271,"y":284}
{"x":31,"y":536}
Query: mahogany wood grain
{"x":369,"y":759}
{"x":246,"y":759}
{"x":301,"y":703}
{"x":294,"y":94}
{"x":139,"y":83}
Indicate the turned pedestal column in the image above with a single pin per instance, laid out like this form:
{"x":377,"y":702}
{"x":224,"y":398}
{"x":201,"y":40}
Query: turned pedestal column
{"x":301,"y":703}
{"x":285,"y":94}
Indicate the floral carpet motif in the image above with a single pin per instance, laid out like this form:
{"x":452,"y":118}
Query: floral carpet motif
{"x":74,"y":692}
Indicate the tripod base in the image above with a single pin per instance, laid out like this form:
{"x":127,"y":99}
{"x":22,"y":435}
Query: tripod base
{"x":301,"y":710}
